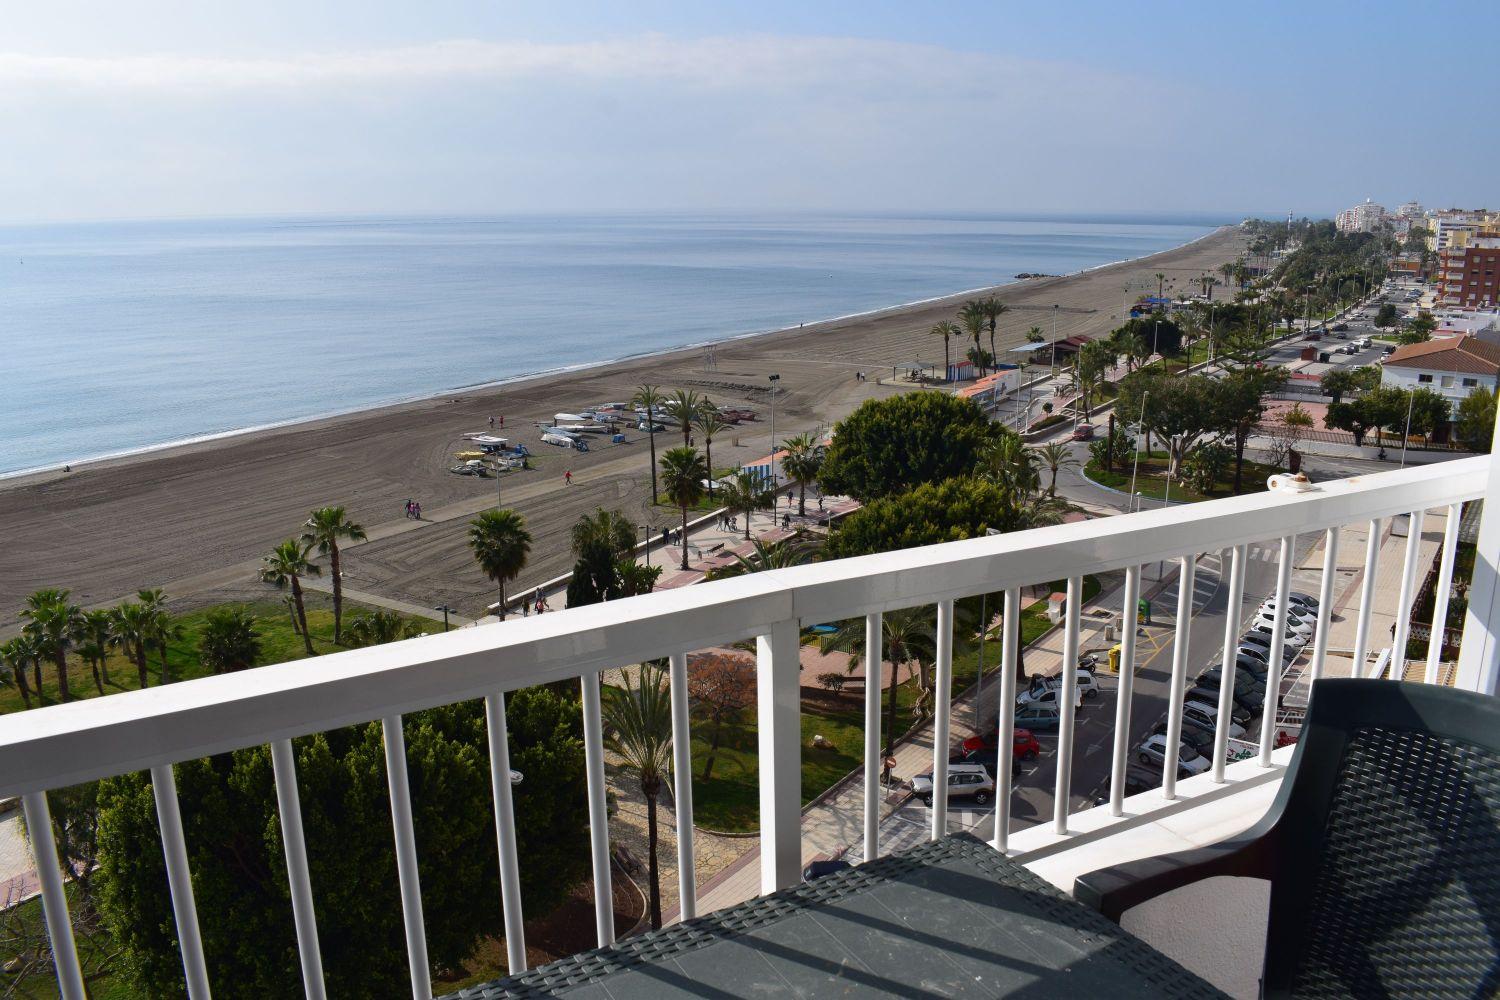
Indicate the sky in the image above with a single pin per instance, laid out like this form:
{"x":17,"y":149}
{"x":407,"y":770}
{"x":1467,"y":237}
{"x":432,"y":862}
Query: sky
{"x":180,"y":108}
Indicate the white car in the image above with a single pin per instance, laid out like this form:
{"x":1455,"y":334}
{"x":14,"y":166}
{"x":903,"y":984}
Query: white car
{"x":1088,"y":687}
{"x":964,"y":780}
{"x":1046,"y":694}
{"x":1154,"y":751}
{"x":1303,"y":630}
{"x":1294,"y":612}
{"x":1207,"y":717}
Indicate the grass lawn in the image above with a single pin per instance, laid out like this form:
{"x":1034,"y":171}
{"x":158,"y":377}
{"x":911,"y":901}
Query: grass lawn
{"x":1151,"y":479}
{"x":730,"y":800}
{"x":278,"y":645}
{"x":94,"y":950}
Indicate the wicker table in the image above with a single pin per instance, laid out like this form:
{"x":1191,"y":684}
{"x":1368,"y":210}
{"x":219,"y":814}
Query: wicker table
{"x":947,"y":919}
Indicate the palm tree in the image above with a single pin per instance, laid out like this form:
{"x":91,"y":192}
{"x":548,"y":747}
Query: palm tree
{"x":779,"y":555}
{"x":683,"y":406}
{"x":1055,"y":456}
{"x":1159,"y":279}
{"x":18,"y":654}
{"x":501,"y":546}
{"x":638,"y":718}
{"x":229,"y":640}
{"x":650,"y":398}
{"x":709,"y":423}
{"x":993,"y":310}
{"x":947,"y":331}
{"x":287,"y":564}
{"x":637,"y":578}
{"x":1228,"y":271}
{"x":163,"y":627}
{"x":602,"y":542}
{"x":323,"y":528}
{"x":682,"y":474}
{"x":53,"y":625}
{"x":973,"y":318}
{"x":98,"y":630}
{"x":908,"y":635}
{"x":1011,"y":465}
{"x":744,"y":494}
{"x":130,"y":625}
{"x":379,"y":627}
{"x":804,"y":457}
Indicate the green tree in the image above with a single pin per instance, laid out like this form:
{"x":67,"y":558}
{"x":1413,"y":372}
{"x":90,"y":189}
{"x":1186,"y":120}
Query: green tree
{"x":804,"y":458}
{"x":907,"y":635}
{"x":744,"y":494}
{"x":1341,"y":382}
{"x":947,"y":330}
{"x":721,"y":687}
{"x":229,"y":640}
{"x":600,"y":541}
{"x":637,"y":578}
{"x":132,"y":627}
{"x":973,"y":319}
{"x":1418,"y":330}
{"x":239,"y":874}
{"x":993,"y":310}
{"x":650,"y":399}
{"x":1180,"y":409}
{"x":324,"y":528}
{"x":1054,"y":457}
{"x":954,"y":509}
{"x":1035,"y":335}
{"x":890,"y":445}
{"x":19,"y":653}
{"x":54,"y":625}
{"x":638,"y":717}
{"x":98,"y":638}
{"x":710,"y":423}
{"x":1095,"y":359}
{"x":501,"y":545}
{"x":376,"y":628}
{"x":287,"y":564}
{"x":1385,"y":316}
{"x":1429,"y":411}
{"x":1241,"y":404}
{"x":1205,"y":466}
{"x":1012,"y":466}
{"x":1476,"y":419}
{"x":682,"y":474}
{"x":1349,"y":417}
{"x":162,"y":626}
{"x":795,"y":551}
{"x":682,"y":408}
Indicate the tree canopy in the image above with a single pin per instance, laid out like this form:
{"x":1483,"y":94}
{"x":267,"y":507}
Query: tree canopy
{"x":888,"y":446}
{"x":1180,"y":409}
{"x":1476,"y":419}
{"x":954,"y":509}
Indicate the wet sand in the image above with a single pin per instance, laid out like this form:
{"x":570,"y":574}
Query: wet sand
{"x":195,"y":519}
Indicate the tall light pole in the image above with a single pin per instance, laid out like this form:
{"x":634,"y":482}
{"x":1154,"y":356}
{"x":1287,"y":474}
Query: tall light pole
{"x":646,"y":528}
{"x":1054,"y":341}
{"x":445,"y":610}
{"x":773,"y":379}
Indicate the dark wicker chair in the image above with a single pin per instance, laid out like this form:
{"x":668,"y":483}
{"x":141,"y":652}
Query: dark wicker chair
{"x":1382,"y":849}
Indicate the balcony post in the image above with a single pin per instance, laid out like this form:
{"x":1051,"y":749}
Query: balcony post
{"x":1479,"y":652}
{"x":779,"y":717}
{"x":54,"y":898}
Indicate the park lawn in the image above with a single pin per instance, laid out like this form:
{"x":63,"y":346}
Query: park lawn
{"x":278,"y":645}
{"x":1151,"y":480}
{"x":730,"y":800}
{"x":93,"y":951}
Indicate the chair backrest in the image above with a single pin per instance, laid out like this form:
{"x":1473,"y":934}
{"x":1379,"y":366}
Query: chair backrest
{"x":1386,"y":868}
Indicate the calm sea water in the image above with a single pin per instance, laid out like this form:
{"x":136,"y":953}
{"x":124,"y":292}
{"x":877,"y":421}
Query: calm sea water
{"x":123,"y":336}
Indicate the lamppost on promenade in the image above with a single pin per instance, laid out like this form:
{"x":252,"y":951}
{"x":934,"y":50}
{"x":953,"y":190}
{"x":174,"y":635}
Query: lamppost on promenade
{"x":445,"y":610}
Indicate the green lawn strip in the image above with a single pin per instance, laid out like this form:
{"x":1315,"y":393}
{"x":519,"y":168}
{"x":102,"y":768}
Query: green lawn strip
{"x":1151,"y":480}
{"x":730,"y":800}
{"x":278,"y":645}
{"x":93,"y":948}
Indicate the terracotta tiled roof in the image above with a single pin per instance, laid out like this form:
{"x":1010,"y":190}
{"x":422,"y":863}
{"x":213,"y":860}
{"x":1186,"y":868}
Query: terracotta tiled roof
{"x":1450,"y":354}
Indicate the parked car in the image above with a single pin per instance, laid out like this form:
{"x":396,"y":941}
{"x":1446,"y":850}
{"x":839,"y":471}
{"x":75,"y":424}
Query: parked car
{"x":1201,"y":739}
{"x":1294,"y":626}
{"x":1088,"y":687}
{"x":1154,"y":751}
{"x":1241,"y":707}
{"x":1046,"y":694}
{"x":1024,"y":745}
{"x":1294,"y":610}
{"x":988,"y":758}
{"x":1261,"y":639}
{"x":1035,"y":716}
{"x":1204,"y":715}
{"x":1249,"y":676}
{"x":1083,"y":432}
{"x":1291,"y":636}
{"x":971,"y":781}
{"x":1306,"y":600}
{"x":1341,"y":326}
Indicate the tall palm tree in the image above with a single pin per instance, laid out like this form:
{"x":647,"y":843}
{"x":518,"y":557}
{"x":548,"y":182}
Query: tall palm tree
{"x":380,"y":627}
{"x":683,"y":407}
{"x":53,"y":624}
{"x":638,"y":717}
{"x":163,"y":626}
{"x":650,"y":398}
{"x":682,"y":474}
{"x":1159,"y":279}
{"x":501,"y":545}
{"x":18,"y":654}
{"x":287,"y":564}
{"x":323,"y":528}
{"x":973,"y":318}
{"x":710,"y":423}
{"x":602,"y":542}
{"x":1228,"y":271}
{"x":1055,"y":456}
{"x":98,"y":628}
{"x":804,"y":458}
{"x":993,"y":310}
{"x":130,"y":625}
{"x":1012,"y":466}
{"x":907,"y":635}
{"x":229,"y":640}
{"x":744,"y":494}
{"x":947,"y":330}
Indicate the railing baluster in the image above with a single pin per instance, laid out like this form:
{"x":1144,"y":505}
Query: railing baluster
{"x":1403,"y":600}
{"x":1440,"y":594}
{"x":406,"y":857}
{"x":1006,"y":719}
{"x":498,"y":734}
{"x":1066,"y":695}
{"x":1187,"y":571}
{"x":1278,"y":643}
{"x":940,"y":711}
{"x":593,"y":757}
{"x":54,"y":899}
{"x":1230,"y":663}
{"x":874,"y":664}
{"x":294,"y":842}
{"x":180,"y":880}
{"x":779,"y":742}
{"x":1367,"y":597}
{"x":682,"y":789}
{"x":1325,"y":599}
{"x":1120,"y":762}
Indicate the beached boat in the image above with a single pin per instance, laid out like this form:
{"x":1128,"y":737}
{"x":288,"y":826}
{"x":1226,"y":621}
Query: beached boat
{"x":488,"y":442}
{"x":584,"y":428}
{"x":568,"y":418}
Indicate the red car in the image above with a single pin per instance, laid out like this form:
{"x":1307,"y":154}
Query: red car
{"x":1083,"y":432}
{"x":1024,"y":744}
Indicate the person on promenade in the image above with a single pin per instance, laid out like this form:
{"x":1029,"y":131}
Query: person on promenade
{"x":416,"y":510}
{"x":568,"y":477}
{"x":408,"y":506}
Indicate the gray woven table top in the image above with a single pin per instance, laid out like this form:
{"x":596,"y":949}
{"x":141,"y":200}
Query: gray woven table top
{"x":948,"y":919}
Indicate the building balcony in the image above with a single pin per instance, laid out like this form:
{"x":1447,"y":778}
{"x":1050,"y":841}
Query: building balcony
{"x":1226,"y":555}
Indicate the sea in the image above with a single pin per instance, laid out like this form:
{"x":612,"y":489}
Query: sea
{"x":125,"y":336}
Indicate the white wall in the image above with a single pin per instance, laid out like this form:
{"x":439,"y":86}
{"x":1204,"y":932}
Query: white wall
{"x":1409,"y":378}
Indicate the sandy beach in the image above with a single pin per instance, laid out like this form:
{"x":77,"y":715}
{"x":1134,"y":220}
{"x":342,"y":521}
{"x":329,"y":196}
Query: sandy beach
{"x":196,"y":519}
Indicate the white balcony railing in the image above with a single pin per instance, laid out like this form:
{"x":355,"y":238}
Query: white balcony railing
{"x":157,"y":728}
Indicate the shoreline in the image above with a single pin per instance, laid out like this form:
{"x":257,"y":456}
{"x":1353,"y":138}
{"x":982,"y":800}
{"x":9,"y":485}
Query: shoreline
{"x":149,"y":451}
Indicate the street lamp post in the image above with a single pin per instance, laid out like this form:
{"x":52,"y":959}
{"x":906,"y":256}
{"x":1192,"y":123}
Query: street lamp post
{"x":773,"y":379}
{"x":445,"y":610}
{"x":647,"y":529}
{"x":1054,"y":341}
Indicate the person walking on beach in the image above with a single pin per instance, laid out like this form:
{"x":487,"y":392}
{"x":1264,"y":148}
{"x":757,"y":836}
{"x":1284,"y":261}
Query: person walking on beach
{"x":568,"y":477}
{"x":408,"y":506}
{"x":492,"y":423}
{"x":416,"y":510}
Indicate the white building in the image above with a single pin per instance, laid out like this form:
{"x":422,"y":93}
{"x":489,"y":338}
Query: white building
{"x":1361,"y":218}
{"x":1411,"y":210}
{"x":1453,"y":367}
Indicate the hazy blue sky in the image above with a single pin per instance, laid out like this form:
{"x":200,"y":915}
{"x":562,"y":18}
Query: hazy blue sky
{"x":203,"y":107}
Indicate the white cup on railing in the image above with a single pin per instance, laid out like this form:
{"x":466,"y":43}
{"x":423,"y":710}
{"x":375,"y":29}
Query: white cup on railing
{"x":1283,"y":483}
